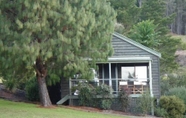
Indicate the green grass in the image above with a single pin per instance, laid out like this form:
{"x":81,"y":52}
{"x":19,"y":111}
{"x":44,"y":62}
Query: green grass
{"x":10,"y":109}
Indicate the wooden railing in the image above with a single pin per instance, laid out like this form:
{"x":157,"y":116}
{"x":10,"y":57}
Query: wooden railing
{"x":131,"y":86}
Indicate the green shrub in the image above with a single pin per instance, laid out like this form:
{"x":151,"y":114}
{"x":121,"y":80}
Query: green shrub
{"x":173,"y":105}
{"x":144,"y":103}
{"x":105,"y":92}
{"x":31,"y":88}
{"x":179,"y":92}
{"x":11,"y":84}
{"x":123,"y":98}
{"x":173,"y":80}
{"x":106,"y":103}
{"x":160,"y":112}
{"x":86,"y":94}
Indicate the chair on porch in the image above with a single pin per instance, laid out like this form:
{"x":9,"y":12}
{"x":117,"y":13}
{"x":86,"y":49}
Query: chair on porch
{"x":139,"y":87}
{"x":123,"y":85}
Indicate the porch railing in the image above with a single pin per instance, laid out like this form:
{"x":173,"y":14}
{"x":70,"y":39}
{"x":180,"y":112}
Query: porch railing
{"x":131,"y":86}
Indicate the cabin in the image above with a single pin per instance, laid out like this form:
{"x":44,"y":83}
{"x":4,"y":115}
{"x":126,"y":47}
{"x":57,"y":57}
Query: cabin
{"x":132,"y":67}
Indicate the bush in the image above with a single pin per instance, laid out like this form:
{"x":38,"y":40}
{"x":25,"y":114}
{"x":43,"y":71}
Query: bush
{"x":105,"y":92}
{"x":179,"y":92}
{"x":11,"y":84}
{"x":31,"y":88}
{"x":123,"y":98}
{"x":88,"y":93}
{"x":105,"y":103}
{"x":144,"y":103}
{"x":160,"y":112}
{"x":173,"y":105}
{"x":173,"y":80}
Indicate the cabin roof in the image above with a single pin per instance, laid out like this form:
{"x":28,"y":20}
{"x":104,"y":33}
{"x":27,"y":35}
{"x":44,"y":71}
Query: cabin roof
{"x":120,"y":36}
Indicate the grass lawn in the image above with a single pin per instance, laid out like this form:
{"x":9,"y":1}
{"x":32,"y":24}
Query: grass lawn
{"x":10,"y":109}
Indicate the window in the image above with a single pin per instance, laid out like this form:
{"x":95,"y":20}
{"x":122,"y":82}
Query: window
{"x":134,"y":72}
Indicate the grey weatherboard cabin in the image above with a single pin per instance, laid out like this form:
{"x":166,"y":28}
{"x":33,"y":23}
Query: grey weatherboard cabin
{"x":133,"y":67}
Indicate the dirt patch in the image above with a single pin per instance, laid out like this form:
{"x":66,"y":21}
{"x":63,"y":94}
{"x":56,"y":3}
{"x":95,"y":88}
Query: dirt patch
{"x":181,"y":57}
{"x":17,"y":95}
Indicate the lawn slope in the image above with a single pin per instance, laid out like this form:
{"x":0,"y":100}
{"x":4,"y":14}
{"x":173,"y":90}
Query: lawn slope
{"x":10,"y":109}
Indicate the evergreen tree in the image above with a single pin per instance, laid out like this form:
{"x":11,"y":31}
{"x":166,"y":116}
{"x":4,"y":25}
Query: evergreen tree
{"x":144,"y":33}
{"x":53,"y":38}
{"x":127,"y":12}
{"x":156,"y":10}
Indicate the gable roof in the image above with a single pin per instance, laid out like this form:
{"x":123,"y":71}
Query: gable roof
{"x":120,"y":36}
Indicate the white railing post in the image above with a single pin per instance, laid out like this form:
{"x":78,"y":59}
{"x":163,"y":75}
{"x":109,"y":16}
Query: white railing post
{"x":151,"y":89}
{"x":70,"y":88}
{"x":116,"y":73}
{"x":110,"y":77}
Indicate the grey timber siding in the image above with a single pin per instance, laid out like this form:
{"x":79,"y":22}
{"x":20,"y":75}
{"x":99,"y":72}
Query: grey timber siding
{"x":127,"y":49}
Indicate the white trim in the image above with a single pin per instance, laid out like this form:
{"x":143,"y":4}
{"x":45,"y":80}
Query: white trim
{"x":151,"y":90}
{"x":128,"y":59}
{"x":124,"y":59}
{"x":110,"y":76}
{"x":150,"y":77}
{"x":116,"y":73}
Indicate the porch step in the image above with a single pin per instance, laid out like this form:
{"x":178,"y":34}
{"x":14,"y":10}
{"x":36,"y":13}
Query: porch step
{"x":64,"y":99}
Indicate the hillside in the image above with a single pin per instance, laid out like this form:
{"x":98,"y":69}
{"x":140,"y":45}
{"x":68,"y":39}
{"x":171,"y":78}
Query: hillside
{"x":181,"y":54}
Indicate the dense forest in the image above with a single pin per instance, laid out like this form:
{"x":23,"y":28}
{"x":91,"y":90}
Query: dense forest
{"x":151,"y":23}
{"x":177,"y":7}
{"x":133,"y":11}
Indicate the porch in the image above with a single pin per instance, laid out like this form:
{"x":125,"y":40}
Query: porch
{"x":132,"y":75}
{"x":133,"y":88}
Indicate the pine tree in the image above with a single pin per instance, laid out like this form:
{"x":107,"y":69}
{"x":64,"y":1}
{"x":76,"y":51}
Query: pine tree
{"x":53,"y":38}
{"x":145,"y":33}
{"x":156,"y":10}
{"x":127,"y":13}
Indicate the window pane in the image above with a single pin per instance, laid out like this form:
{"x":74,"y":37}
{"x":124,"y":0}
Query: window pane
{"x":137,"y":72}
{"x":127,"y":72}
{"x":141,"y":72}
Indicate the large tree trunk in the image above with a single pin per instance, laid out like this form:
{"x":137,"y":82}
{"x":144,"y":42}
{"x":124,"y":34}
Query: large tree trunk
{"x":41,"y":73}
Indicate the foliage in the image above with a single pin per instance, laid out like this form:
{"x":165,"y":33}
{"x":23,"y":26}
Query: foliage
{"x":100,"y":96}
{"x":168,"y":47}
{"x":178,"y":92}
{"x":155,"y":10}
{"x":160,"y":112}
{"x":10,"y":84}
{"x":53,"y":37}
{"x":31,"y":89}
{"x":174,"y":80}
{"x":144,"y":33}
{"x":106,"y":103}
{"x":105,"y":92}
{"x":9,"y":109}
{"x":173,"y":105}
{"x":86,"y":94}
{"x":144,"y":103}
{"x":127,"y":12}
{"x":123,"y":98}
